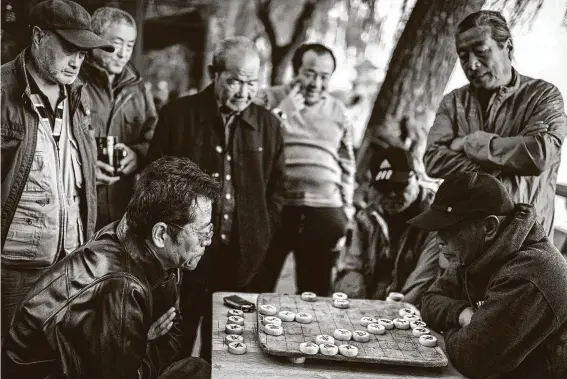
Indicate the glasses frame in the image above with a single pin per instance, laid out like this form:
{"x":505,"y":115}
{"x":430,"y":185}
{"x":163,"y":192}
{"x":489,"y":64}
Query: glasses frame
{"x":201,"y":236}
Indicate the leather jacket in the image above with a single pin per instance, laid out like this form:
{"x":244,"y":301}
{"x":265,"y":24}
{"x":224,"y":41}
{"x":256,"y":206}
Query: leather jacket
{"x":89,"y":315}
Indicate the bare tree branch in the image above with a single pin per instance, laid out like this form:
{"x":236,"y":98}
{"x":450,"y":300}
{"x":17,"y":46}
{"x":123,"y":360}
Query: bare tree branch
{"x":303,"y":22}
{"x":263,"y":9}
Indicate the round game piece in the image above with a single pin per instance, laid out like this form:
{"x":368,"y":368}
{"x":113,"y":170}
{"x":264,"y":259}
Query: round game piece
{"x":420,"y":332}
{"x":410,"y":318}
{"x":388,"y":324}
{"x":323,"y":338}
{"x":304,"y":318}
{"x":267,"y":310}
{"x":406,"y":312}
{"x":233,"y":338}
{"x":328,"y":349}
{"x":376,"y":329}
{"x":428,"y":340}
{"x":286,"y":316}
{"x":395,"y":296}
{"x":235,"y":320}
{"x":237,"y":348}
{"x":308,"y":296}
{"x":348,"y":350}
{"x":309,"y":348}
{"x":401,"y":324}
{"x":365,"y":321}
{"x":360,"y":336}
{"x":235,"y":312}
{"x":342,"y":304}
{"x":342,"y":334}
{"x":233,"y":329}
{"x":271,"y":320}
{"x":340,"y":296}
{"x":273,"y":330}
{"x":417,"y":324}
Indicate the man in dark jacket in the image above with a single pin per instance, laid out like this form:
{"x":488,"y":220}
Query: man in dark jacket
{"x":90,"y":314}
{"x":502,"y":304}
{"x":502,"y":123}
{"x":241,"y":145}
{"x":48,"y":153}
{"x":120,"y":107}
{"x":385,"y":254}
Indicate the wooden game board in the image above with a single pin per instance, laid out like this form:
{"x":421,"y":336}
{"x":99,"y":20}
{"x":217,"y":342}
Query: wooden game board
{"x":398,"y":347}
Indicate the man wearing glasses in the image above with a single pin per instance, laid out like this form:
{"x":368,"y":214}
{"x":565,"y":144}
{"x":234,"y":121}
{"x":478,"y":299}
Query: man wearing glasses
{"x":93,"y":313}
{"x":399,"y":257}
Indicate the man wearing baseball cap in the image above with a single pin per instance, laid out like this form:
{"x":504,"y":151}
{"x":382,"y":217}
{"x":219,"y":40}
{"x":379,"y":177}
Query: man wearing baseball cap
{"x":502,"y":304}
{"x":387,"y":255}
{"x":48,"y":154}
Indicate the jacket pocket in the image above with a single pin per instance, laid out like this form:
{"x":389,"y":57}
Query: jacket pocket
{"x":24,"y":235}
{"x":38,"y":180}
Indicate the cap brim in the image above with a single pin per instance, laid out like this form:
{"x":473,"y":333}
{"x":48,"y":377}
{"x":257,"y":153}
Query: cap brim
{"x":433,"y":220}
{"x":84,"y":39}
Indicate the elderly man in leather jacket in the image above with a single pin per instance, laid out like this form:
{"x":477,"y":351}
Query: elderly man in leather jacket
{"x":91,"y":315}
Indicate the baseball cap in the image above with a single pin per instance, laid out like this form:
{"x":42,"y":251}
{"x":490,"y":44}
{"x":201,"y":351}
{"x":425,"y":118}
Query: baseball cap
{"x":465,"y":195}
{"x":70,"y":21}
{"x":391,"y":168}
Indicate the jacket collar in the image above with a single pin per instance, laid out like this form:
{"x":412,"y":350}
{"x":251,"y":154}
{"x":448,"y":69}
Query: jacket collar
{"x":141,"y":253}
{"x":522,"y":231}
{"x":129,"y":76}
{"x":74,"y":89}
{"x":210,"y":110}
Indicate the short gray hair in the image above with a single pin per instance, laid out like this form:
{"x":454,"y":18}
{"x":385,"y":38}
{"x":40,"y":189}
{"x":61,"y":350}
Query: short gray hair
{"x":497,"y":23}
{"x":103,"y":17}
{"x":240,"y":45}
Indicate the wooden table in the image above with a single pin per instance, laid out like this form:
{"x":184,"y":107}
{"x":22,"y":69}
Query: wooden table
{"x":257,"y":364}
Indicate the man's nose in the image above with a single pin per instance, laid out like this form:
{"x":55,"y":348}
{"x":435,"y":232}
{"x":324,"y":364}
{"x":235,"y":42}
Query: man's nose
{"x":473,"y":62}
{"x":76,"y":60}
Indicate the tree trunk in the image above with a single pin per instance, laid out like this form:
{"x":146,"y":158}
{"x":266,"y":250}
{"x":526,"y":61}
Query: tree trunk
{"x":417,"y":75}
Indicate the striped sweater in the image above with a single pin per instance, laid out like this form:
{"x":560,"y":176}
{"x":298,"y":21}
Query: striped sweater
{"x":318,"y":152}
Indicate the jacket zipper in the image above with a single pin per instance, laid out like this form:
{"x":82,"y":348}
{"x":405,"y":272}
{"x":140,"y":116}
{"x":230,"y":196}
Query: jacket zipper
{"x":117,"y":105}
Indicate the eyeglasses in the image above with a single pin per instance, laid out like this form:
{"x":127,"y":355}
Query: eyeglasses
{"x":202,"y":236}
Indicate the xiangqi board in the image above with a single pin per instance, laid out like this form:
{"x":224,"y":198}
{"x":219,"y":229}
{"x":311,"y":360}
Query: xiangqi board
{"x":395,"y":346}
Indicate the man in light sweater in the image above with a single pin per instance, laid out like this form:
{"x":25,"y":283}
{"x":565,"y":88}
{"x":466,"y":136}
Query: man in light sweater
{"x":320,"y":172}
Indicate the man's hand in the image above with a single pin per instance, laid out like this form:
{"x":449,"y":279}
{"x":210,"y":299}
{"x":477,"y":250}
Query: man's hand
{"x":457,"y":144}
{"x":104,"y":174}
{"x":293,"y":102}
{"x":129,"y":163}
{"x":162,"y":325}
{"x":465,"y":316}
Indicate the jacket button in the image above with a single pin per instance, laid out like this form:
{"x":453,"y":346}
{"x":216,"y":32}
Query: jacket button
{"x":218,"y":149}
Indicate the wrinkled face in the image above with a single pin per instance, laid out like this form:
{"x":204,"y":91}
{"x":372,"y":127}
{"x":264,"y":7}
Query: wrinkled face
{"x":237,"y":84}
{"x":486,"y":65}
{"x":122,"y":36}
{"x":314,"y":75}
{"x":462,"y":243}
{"x":185,"y":251}
{"x":396,"y":197}
{"x":58,"y":62}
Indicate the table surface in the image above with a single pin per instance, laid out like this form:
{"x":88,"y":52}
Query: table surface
{"x":258,"y":364}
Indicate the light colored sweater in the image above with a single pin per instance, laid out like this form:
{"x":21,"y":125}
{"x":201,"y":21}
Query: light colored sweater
{"x":318,"y":152}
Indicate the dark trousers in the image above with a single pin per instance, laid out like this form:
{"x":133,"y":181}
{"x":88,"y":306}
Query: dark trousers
{"x":217,"y":271}
{"x":311,"y":233}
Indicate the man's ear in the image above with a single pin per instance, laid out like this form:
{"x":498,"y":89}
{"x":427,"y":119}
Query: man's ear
{"x":37,"y":35}
{"x":159,"y":232}
{"x":510,"y":48}
{"x":491,"y":227}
